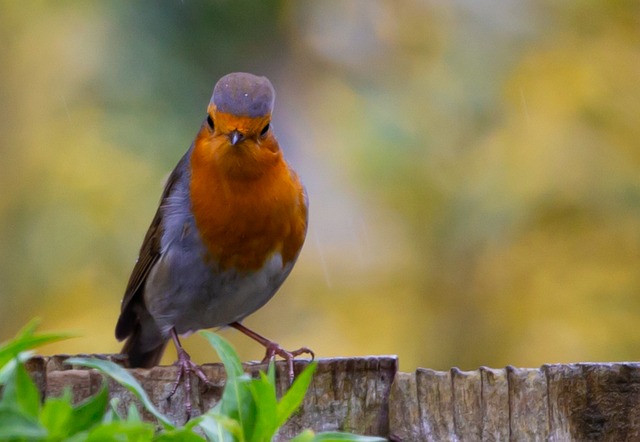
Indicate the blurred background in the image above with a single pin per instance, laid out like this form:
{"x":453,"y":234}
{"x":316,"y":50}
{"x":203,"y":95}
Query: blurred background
{"x":473,"y":168}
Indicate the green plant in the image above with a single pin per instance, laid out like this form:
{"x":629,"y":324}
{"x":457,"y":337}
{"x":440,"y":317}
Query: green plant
{"x":248,"y":411}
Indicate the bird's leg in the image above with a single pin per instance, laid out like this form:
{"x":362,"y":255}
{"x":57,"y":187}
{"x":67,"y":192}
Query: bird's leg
{"x":186,"y":367}
{"x":273,"y":348}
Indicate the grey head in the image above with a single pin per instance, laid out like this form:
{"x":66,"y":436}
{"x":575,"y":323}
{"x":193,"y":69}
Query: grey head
{"x":243,"y":94}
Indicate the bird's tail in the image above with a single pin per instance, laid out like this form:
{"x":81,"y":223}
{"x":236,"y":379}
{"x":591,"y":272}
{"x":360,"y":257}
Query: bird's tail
{"x":142,"y":353}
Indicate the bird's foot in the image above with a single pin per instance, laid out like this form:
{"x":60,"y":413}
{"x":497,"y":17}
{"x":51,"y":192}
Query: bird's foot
{"x":186,"y":367}
{"x":274,"y":349}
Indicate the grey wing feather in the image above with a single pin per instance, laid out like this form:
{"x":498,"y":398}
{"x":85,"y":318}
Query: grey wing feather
{"x":150,"y":252}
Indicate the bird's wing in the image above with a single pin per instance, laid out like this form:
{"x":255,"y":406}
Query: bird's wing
{"x":150,"y":252}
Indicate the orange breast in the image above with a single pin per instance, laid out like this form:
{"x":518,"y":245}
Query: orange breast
{"x":243,"y":222}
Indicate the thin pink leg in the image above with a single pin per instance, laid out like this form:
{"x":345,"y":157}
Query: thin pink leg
{"x":187,"y":366}
{"x":273,"y":348}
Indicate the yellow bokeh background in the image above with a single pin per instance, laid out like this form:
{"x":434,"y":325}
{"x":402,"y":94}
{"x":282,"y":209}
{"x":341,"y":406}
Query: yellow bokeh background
{"x":473,"y":168}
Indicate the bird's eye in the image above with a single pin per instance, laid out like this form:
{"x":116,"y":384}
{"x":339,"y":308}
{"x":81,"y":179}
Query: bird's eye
{"x":265,"y":129}
{"x":210,"y":122}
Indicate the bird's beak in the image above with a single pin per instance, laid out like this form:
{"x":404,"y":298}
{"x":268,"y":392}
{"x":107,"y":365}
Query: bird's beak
{"x":235,"y":137}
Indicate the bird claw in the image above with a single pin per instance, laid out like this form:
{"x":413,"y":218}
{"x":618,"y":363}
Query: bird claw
{"x":274,"y":349}
{"x":186,"y":367}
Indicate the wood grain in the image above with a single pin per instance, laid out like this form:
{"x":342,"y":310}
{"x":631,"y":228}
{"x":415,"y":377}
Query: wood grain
{"x":575,"y":402}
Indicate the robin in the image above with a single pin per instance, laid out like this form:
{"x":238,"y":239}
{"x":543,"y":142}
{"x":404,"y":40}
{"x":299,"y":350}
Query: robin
{"x":231,"y":222}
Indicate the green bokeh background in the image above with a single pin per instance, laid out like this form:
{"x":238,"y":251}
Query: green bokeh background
{"x":473,"y":168}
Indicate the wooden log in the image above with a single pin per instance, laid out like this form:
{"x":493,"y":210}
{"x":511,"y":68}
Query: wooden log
{"x":575,"y":402}
{"x":436,"y":420}
{"x":528,"y":411}
{"x":495,"y":405}
{"x":403,"y":408}
{"x":346,"y":394}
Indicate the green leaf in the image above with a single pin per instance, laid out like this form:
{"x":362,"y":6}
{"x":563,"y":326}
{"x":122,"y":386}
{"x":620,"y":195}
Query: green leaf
{"x":237,"y":401}
{"x":89,"y":412}
{"x":338,"y":437}
{"x":56,"y":416}
{"x":181,"y":434}
{"x":112,"y":413}
{"x":122,"y":431}
{"x":263,"y":390}
{"x":220,"y":428}
{"x":213,"y":430}
{"x":124,"y":378}
{"x":295,"y":395}
{"x":132,"y":414}
{"x":227,"y":354}
{"x":9,"y":394}
{"x":78,"y":437}
{"x":8,"y":369}
{"x":305,"y":436}
{"x":193,"y":422}
{"x":27,"y":392}
{"x":21,"y":392}
{"x":16,"y":425}
{"x":26,"y":339}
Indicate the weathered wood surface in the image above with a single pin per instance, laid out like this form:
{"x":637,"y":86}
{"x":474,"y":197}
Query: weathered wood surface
{"x":346,"y":394}
{"x":577,"y":402}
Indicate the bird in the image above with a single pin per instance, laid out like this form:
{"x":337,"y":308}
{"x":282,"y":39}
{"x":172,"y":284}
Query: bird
{"x":230,"y":225}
